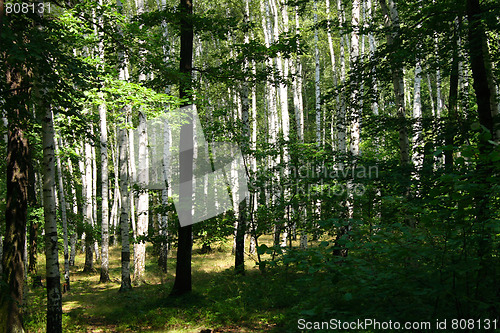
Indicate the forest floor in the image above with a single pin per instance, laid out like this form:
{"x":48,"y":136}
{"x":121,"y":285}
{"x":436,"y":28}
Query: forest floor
{"x":221,"y":301}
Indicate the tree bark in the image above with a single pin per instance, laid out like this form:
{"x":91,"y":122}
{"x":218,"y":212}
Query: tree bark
{"x":391,"y":20}
{"x":182,"y":283}
{"x":481,"y":73}
{"x":317,"y":104}
{"x":479,"y":57}
{"x":89,"y":216}
{"x":105,"y":194}
{"x":54,"y":299}
{"x":452,"y":100}
{"x":355,"y":81}
{"x":64,"y":216}
{"x":239,"y":258}
{"x":417,"y":156}
{"x":124,"y":216}
{"x":143,"y":203}
{"x":16,"y":210}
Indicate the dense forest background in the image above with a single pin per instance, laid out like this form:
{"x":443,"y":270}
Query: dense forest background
{"x":369,"y":133}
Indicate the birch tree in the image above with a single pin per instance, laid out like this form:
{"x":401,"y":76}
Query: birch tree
{"x":417,"y":156}
{"x":391,"y":21}
{"x":355,"y":108}
{"x":341,"y":117}
{"x":104,"y":168}
{"x":124,"y":216}
{"x":143,"y":203}
{"x":105,"y":193}
{"x":297,"y":84}
{"x":89,"y":215}
{"x":54,"y":298}
{"x":64,"y":217}
{"x":317,"y":90}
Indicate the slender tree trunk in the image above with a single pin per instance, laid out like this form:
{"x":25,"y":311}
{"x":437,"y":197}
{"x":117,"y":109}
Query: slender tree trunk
{"x":391,"y":20}
{"x":297,"y":85}
{"x":6,"y":139}
{"x":89,"y":225}
{"x":105,"y":192}
{"x":355,"y":96}
{"x":418,"y":158}
{"x":182,"y":283}
{"x":167,"y":143}
{"x":452,"y":100}
{"x":54,"y":298}
{"x":74,"y":204}
{"x":239,"y":258}
{"x":33,"y":225}
{"x":114,"y":218}
{"x":431,"y":94}
{"x":104,"y":167}
{"x":94,"y":197}
{"x":341,"y":118}
{"x":124,"y":216}
{"x":317,"y":90}
{"x":371,"y":42}
{"x":143,"y":203}
{"x":64,"y":216}
{"x":439,"y":98}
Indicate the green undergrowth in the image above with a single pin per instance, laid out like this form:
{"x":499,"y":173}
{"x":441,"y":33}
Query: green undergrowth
{"x":220,"y":301}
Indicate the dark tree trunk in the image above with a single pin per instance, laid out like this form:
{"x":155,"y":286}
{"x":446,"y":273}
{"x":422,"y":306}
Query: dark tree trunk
{"x":182,"y":282}
{"x":17,"y":205}
{"x":481,"y":74}
{"x":239,"y":258}
{"x":453,"y":99}
{"x":33,"y":236}
{"x":33,"y":226}
{"x":478,"y":56}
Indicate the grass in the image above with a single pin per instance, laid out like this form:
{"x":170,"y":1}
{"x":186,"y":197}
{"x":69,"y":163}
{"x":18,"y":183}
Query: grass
{"x":220,"y":301}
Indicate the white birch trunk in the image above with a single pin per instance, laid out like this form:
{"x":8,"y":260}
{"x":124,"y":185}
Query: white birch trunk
{"x":341,"y":119}
{"x":330,"y":42}
{"x":417,"y":156}
{"x":54,"y":298}
{"x":105,"y":192}
{"x":431,"y":95}
{"x":124,"y":162}
{"x":133,"y":177}
{"x":373,"y":48}
{"x":94,"y":197}
{"x":439,"y":97}
{"x":63,"y":213}
{"x":355,"y":109}
{"x":317,"y":104}
{"x":74,"y":208}
{"x":143,"y":203}
{"x":81,"y":167}
{"x":124,"y":217}
{"x":391,"y":18}
{"x":297,"y":85}
{"x":89,"y":217}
